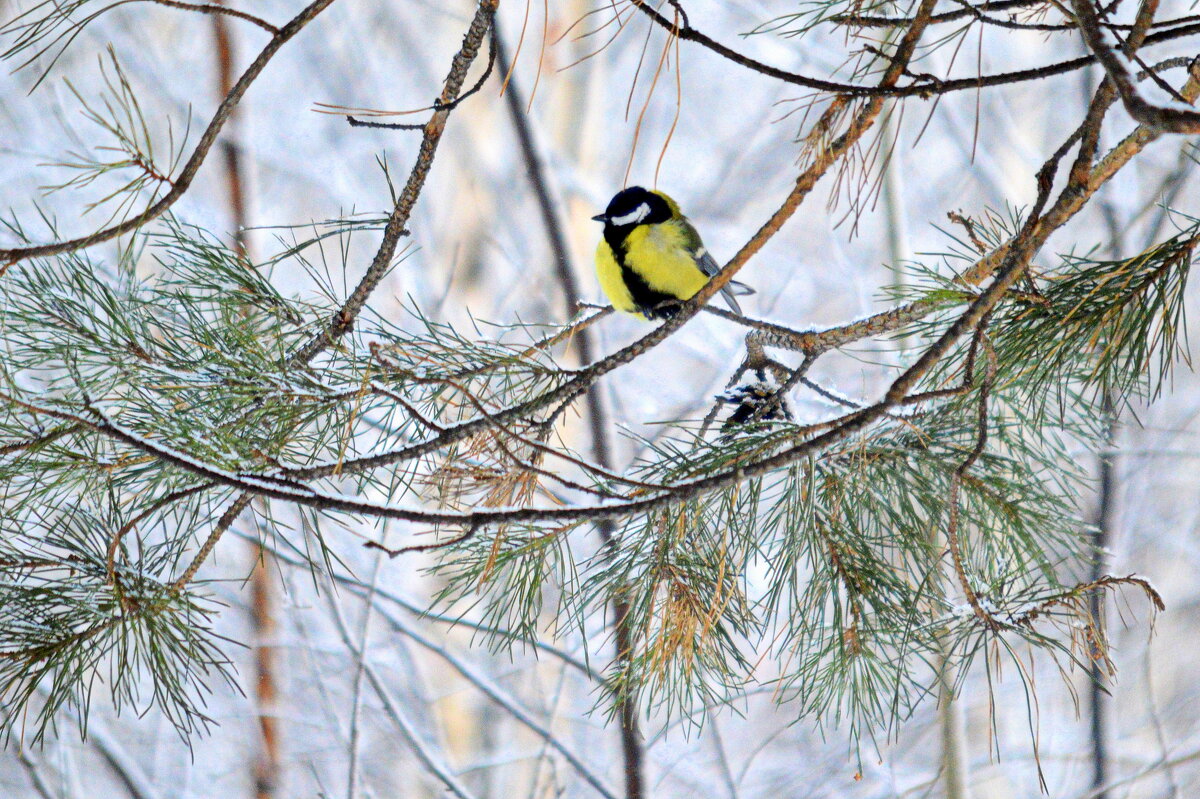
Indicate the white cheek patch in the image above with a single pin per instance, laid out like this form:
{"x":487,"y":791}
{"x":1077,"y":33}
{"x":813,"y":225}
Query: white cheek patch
{"x":633,"y":217}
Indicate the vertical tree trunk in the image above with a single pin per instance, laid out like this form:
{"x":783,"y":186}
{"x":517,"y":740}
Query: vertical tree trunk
{"x":266,"y":763}
{"x":1102,"y":538}
{"x":631,"y":740}
{"x":951,"y":726}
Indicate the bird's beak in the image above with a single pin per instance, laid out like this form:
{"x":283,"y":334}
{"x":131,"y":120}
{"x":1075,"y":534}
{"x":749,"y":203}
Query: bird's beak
{"x":600,"y":218}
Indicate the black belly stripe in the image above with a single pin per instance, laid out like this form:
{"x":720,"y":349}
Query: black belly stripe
{"x":645,"y":298}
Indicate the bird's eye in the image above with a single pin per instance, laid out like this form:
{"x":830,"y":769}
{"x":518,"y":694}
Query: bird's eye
{"x":633,"y":217}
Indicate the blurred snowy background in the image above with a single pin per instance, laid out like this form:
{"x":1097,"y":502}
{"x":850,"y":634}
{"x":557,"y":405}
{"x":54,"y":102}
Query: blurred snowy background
{"x":478,"y":251}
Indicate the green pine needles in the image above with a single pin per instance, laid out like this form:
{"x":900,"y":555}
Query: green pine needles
{"x":828,"y":579}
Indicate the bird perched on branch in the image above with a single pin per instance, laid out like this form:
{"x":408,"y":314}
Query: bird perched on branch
{"x":651,"y":258}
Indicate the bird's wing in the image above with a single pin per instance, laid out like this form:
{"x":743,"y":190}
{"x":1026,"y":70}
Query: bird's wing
{"x":709,"y":266}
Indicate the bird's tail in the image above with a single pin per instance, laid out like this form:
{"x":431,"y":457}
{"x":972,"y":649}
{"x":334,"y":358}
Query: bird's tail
{"x":732,"y":290}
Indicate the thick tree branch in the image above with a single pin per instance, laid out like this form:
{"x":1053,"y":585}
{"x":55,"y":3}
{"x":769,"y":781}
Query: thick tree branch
{"x":1173,"y":117}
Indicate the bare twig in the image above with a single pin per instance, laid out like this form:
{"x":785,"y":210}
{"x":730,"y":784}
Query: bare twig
{"x":219,"y":10}
{"x":115,"y":542}
{"x":342,"y":320}
{"x":428,"y":758}
{"x":227,"y":519}
{"x":925,"y":87}
{"x":438,"y":105}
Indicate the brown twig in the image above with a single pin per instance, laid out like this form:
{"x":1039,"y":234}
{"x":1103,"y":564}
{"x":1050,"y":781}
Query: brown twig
{"x":208,"y":8}
{"x":224,"y":523}
{"x":437,"y":105}
{"x":1170,"y":119}
{"x":41,"y":440}
{"x":342,"y":320}
{"x":392,"y":553}
{"x":569,"y":332}
{"x":1031,"y":615}
{"x":953,"y":535}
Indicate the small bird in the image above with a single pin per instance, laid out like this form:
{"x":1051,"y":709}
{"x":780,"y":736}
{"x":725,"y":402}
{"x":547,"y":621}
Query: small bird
{"x":651,"y":257}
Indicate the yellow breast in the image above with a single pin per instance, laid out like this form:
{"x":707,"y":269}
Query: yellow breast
{"x":660,"y":255}
{"x":609,"y":273}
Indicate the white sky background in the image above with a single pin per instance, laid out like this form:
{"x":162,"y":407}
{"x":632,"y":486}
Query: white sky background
{"x":478,"y":249}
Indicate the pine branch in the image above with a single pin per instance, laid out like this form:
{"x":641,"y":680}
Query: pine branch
{"x":183,"y":181}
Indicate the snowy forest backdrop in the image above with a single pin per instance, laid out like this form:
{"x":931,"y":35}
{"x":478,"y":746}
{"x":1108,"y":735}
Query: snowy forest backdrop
{"x":368,"y":696}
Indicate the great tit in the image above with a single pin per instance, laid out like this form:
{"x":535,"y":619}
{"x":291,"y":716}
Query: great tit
{"x":651,"y":256}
